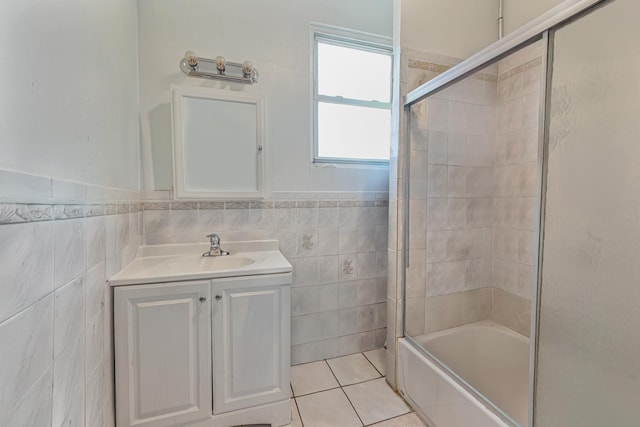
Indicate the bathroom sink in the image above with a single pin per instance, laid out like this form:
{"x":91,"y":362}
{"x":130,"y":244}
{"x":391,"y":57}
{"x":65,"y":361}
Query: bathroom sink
{"x":219,"y":263}
{"x":180,"y":262}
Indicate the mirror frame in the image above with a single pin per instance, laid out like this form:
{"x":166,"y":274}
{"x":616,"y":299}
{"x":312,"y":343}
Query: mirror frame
{"x":177,"y":128}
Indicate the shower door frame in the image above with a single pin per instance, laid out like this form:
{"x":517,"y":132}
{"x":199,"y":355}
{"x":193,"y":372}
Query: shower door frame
{"x":541,"y":28}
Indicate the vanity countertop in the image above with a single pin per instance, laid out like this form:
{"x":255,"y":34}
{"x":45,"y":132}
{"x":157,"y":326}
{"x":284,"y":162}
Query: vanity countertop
{"x":180,"y":262}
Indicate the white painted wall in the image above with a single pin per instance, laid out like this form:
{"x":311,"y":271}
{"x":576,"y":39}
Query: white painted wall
{"x":68,"y":90}
{"x":275,"y":36}
{"x":457,"y":28}
{"x":519,"y":12}
{"x":460,"y":28}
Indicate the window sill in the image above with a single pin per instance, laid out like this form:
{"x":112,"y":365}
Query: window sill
{"x":347,"y":165}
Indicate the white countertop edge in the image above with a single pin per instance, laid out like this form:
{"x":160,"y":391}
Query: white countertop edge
{"x":197,"y":276}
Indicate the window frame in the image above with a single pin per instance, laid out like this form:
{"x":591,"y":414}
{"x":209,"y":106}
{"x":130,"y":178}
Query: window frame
{"x":352,"y":40}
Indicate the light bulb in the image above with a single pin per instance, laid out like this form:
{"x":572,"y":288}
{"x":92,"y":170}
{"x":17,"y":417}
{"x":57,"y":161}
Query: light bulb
{"x":220,"y":63}
{"x":191,"y":58}
{"x":247,"y":68}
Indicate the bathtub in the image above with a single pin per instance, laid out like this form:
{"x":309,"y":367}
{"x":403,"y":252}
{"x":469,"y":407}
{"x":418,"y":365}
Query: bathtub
{"x":490,"y":358}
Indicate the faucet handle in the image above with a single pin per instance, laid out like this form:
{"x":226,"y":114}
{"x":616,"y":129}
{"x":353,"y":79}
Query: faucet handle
{"x":213,"y":236}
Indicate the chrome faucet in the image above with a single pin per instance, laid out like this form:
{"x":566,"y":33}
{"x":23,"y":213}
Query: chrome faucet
{"x":215,"y":249}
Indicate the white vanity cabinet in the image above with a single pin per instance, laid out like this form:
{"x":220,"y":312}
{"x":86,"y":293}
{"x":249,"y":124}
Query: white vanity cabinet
{"x":206,"y":353}
{"x":163,"y":353}
{"x":251,"y":341}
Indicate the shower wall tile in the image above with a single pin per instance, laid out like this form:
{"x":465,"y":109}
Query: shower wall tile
{"x":481,"y":141}
{"x":519,"y":86}
{"x":414,"y":316}
{"x":512,"y":311}
{"x":438,"y":148}
{"x":416,"y":274}
{"x":439,"y":113}
{"x":460,"y":308}
{"x":438,"y":183}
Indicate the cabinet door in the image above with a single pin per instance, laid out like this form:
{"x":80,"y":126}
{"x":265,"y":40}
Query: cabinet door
{"x":163,"y":353}
{"x":251,"y":341}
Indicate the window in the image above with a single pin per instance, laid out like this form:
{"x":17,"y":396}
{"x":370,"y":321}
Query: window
{"x":352,"y":100}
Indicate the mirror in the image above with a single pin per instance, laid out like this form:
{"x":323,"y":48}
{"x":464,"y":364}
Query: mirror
{"x":218,"y":144}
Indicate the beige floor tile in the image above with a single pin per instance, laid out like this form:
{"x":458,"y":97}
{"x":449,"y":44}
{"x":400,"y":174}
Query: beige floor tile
{"x":295,"y":415}
{"x":329,"y":408}
{"x":352,"y":369}
{"x":375,"y":401}
{"x":311,"y":378}
{"x":409,"y":420}
{"x":377,"y":358}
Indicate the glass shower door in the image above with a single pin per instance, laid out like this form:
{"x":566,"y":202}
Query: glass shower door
{"x":588,"y":367}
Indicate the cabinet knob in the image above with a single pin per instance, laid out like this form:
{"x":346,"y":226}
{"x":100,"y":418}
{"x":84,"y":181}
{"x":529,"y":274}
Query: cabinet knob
{"x":218,"y":297}
{"x":203,"y":299}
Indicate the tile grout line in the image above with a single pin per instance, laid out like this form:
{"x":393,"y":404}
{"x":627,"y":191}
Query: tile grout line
{"x":392,"y":418}
{"x":374,"y":366}
{"x":345,"y":393}
{"x":295,"y":402}
{"x":342,"y":387}
{"x":316,"y":392}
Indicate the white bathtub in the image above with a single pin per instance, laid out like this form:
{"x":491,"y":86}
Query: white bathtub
{"x":491,"y":358}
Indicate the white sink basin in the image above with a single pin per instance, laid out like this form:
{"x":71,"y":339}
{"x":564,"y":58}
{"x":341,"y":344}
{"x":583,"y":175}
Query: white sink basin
{"x":218,"y":263}
{"x":178,"y":262}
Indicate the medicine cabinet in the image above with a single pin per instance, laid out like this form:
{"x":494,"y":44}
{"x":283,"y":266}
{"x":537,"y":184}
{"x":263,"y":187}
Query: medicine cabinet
{"x":218,"y":144}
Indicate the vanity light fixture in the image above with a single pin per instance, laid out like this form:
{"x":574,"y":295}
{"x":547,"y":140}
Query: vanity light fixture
{"x":218,"y":68}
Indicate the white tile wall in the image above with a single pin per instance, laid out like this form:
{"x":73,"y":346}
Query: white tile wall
{"x":472,"y":198}
{"x":338,"y":249}
{"x":55,"y":345}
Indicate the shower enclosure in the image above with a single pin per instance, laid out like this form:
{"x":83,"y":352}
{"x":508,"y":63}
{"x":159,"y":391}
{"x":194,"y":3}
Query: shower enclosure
{"x":522,"y":228}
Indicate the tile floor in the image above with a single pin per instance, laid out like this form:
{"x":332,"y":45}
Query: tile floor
{"x":347,"y":391}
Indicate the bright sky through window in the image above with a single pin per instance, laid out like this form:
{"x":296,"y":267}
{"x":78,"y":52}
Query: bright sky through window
{"x":352,"y":101}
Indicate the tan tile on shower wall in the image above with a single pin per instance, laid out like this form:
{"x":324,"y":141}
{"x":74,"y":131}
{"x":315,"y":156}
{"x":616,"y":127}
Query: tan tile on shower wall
{"x":436,"y":281}
{"x":419,"y":139}
{"x":415,"y":315}
{"x":511,"y":311}
{"x":437,"y":181}
{"x":438,"y":148}
{"x":416,"y":274}
{"x":437,"y":213}
{"x":505,"y":275}
{"x":457,"y":309}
